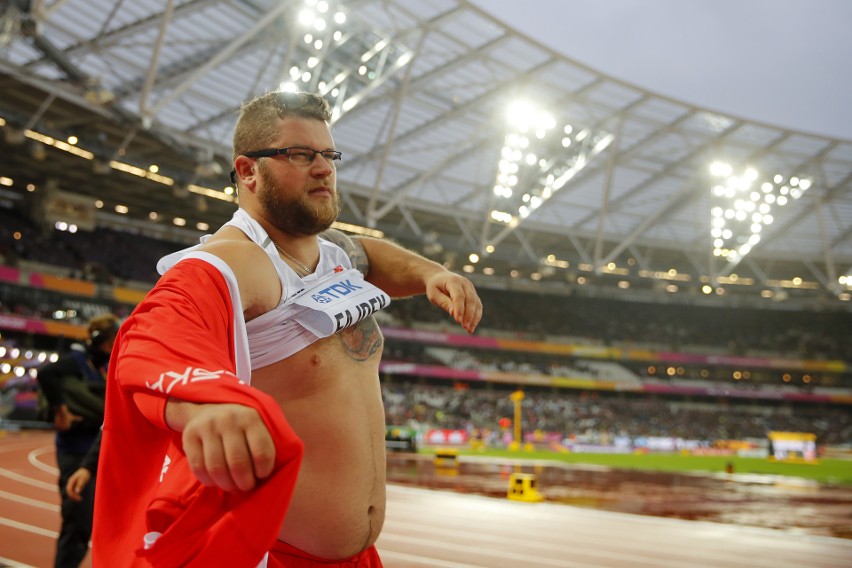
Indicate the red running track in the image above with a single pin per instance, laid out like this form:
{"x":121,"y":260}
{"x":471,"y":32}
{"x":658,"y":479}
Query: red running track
{"x":441,"y":529}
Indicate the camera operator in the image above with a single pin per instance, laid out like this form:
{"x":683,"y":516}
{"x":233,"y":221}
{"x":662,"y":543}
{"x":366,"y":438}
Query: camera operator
{"x":75,"y":387}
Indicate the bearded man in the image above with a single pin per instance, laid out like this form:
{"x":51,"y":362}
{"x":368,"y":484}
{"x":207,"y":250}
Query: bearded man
{"x":245,"y":423}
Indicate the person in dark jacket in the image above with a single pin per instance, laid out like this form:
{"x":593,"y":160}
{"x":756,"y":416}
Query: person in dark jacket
{"x":75,"y":387}
{"x":75,"y":488}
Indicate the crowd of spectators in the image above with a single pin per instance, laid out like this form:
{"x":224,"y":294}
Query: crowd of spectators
{"x":666,"y":327}
{"x":113,"y":257}
{"x":104,"y":255}
{"x":601,"y":417}
{"x":38,"y":303}
{"x":752,"y":377}
{"x":110,"y":256}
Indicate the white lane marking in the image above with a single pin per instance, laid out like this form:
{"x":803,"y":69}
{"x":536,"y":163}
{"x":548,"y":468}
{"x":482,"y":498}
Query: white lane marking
{"x":477,"y":550}
{"x":28,"y":480}
{"x":31,"y":502}
{"x":29,"y":528}
{"x":425,"y":561}
{"x":34,"y":461}
{"x":14,"y":563}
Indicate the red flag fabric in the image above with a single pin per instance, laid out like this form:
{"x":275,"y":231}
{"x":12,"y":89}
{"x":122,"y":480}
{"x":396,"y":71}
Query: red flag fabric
{"x":185,"y":340}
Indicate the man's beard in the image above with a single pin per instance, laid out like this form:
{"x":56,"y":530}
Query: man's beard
{"x":297,"y":216}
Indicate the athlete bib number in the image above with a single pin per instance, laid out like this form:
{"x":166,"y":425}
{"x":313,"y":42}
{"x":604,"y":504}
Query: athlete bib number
{"x":338,"y":301}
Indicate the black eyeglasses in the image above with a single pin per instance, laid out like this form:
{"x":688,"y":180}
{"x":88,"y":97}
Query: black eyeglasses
{"x":298,"y":156}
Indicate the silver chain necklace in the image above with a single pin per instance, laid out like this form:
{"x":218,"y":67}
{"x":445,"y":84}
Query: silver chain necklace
{"x":295,"y":260}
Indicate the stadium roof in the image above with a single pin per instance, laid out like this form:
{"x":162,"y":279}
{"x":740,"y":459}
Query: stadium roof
{"x":460,"y":136}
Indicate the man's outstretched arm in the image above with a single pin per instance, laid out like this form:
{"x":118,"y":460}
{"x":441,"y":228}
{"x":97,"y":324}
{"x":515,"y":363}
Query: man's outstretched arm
{"x":401,"y":272}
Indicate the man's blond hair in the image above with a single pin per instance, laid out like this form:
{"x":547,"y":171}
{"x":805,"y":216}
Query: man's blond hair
{"x":257,"y":125}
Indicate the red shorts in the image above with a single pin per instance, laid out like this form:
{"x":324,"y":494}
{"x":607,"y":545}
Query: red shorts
{"x":283,"y":555}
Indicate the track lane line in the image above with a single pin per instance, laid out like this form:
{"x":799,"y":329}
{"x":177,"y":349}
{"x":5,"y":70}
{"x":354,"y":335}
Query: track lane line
{"x":28,"y":528}
{"x":28,"y":480}
{"x":31,"y":502}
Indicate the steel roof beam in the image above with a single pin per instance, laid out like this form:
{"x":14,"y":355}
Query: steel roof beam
{"x":761,"y":275}
{"x":109,"y":39}
{"x":398,"y":193}
{"x":468,"y":234}
{"x":461,"y":109}
{"x":678,"y":202}
{"x":675,"y":201}
{"x":58,"y":58}
{"x":267,"y":19}
{"x":527,"y":247}
{"x":406,"y":214}
{"x":607,"y":190}
{"x":155,"y":59}
{"x":828,"y":281}
{"x":831,"y":273}
{"x":430,"y":75}
{"x":401,"y":93}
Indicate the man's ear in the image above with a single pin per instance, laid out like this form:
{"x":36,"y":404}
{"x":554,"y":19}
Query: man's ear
{"x":246,"y":171}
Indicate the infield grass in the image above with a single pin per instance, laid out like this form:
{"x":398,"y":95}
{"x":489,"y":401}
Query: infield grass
{"x":828,"y":471}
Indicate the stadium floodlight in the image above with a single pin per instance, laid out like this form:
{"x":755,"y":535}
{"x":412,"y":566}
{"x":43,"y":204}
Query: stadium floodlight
{"x":551,"y":260}
{"x":741,"y":206}
{"x":539,"y":157}
{"x":340,"y":57}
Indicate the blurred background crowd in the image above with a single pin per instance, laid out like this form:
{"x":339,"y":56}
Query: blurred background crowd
{"x":701,"y":373}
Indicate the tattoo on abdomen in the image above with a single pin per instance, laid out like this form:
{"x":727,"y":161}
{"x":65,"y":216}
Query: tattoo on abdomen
{"x":362,"y":340}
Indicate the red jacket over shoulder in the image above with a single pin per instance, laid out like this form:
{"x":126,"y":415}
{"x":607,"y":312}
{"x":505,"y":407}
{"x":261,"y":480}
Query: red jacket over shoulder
{"x":185,"y":340}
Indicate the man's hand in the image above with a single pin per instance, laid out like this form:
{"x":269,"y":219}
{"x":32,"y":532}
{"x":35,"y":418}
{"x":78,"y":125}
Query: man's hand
{"x":64,"y":419}
{"x":457,"y":296}
{"x":76,"y":483}
{"x":400,"y":273}
{"x":226,"y":445}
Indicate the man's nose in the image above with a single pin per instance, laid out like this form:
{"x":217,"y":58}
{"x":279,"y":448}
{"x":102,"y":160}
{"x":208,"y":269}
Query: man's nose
{"x":321,"y":167}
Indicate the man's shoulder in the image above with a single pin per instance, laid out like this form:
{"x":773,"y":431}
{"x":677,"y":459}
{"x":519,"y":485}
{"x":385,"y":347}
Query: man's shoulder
{"x":236,"y":251}
{"x":350,"y":245}
{"x":225,"y":244}
{"x":252,"y":267}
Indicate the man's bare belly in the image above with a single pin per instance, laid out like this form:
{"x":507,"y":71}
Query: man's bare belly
{"x":331,"y":397}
